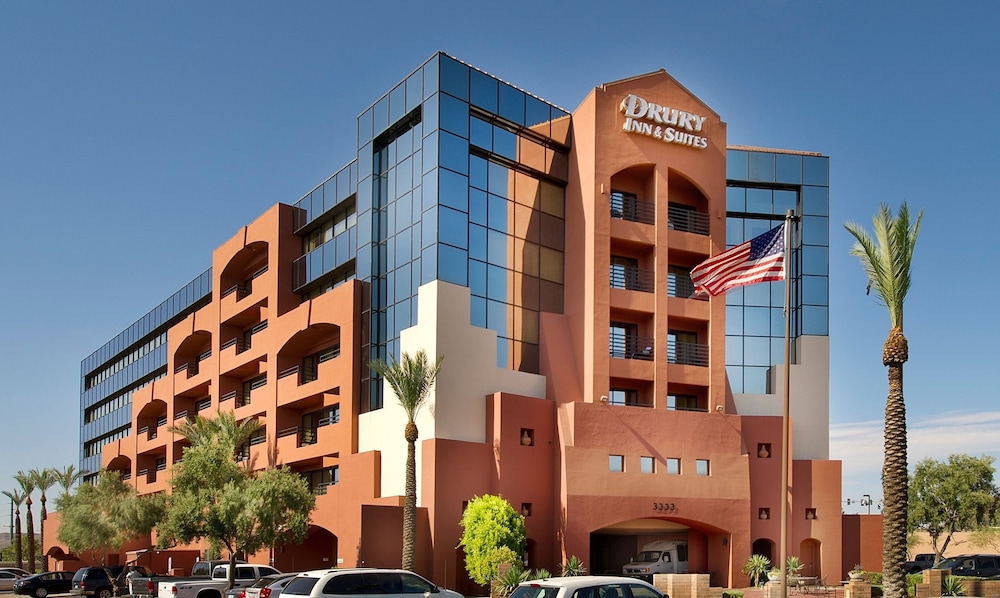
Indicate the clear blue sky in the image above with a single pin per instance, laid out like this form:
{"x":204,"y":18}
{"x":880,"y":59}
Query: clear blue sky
{"x":119,"y":121}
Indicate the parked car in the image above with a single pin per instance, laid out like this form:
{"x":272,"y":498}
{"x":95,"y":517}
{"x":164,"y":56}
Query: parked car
{"x":269,"y":586}
{"x":16,"y":571}
{"x":972,"y":565}
{"x":43,"y":584}
{"x":100,"y":582}
{"x":920,"y":562}
{"x":7,"y":579}
{"x":587,"y":586}
{"x":362,"y":583}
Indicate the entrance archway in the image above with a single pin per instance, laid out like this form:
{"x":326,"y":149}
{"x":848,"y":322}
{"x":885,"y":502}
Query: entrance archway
{"x":764,"y":547}
{"x":810,"y":556}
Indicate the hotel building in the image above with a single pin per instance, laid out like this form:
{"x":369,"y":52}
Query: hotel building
{"x":546,"y":255}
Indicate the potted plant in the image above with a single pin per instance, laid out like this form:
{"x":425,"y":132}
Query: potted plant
{"x":774,"y":574}
{"x":857,"y":573}
{"x":756,"y":568}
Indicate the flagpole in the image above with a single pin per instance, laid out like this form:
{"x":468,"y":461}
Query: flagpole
{"x":785,"y":433}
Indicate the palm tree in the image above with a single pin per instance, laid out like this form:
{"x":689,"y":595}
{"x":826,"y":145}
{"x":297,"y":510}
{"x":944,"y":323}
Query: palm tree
{"x":223,"y":429}
{"x":411,"y":379}
{"x":43,"y":479}
{"x":17,"y":497}
{"x":886,"y":260}
{"x":67,"y":477}
{"x":27,"y":484}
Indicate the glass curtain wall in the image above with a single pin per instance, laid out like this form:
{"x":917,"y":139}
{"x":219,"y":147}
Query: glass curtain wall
{"x":761,"y":187}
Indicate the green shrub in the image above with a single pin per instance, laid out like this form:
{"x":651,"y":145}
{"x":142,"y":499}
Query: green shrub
{"x":912,"y":580}
{"x":573,"y":567}
{"x":508,"y":582}
{"x":732,"y":594}
{"x":756,"y":569}
{"x":874,"y":578}
{"x":493,"y":532}
{"x":876,"y":591}
{"x":952,"y":586}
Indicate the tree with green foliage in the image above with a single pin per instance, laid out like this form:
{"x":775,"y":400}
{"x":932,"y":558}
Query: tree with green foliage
{"x":27,"y":483}
{"x":214,"y":498}
{"x":886,"y":260}
{"x":953,"y":496}
{"x":17,"y":499}
{"x":68,"y":476}
{"x":102,"y":517}
{"x":411,"y":380}
{"x":490,"y":523}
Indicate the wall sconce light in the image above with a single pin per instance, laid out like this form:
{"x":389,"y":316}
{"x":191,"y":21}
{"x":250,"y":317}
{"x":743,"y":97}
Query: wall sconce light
{"x":604,"y":399}
{"x":810,"y":513}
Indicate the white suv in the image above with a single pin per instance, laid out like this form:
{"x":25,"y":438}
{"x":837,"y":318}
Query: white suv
{"x":587,"y":586}
{"x":364,"y":583}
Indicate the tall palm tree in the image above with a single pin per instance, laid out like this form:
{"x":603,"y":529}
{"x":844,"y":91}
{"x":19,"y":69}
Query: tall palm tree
{"x":44,"y":479}
{"x":27,"y":484}
{"x":17,"y":497}
{"x":67,"y":477}
{"x":886,"y":260}
{"x":223,"y":429}
{"x":411,"y":379}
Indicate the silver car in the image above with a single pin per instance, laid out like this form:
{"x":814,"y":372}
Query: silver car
{"x":269,"y":586}
{"x":587,"y":586}
{"x":363,"y":583}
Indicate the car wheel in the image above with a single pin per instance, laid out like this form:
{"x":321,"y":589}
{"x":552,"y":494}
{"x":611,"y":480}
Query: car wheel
{"x":41,"y":593}
{"x":104,"y":593}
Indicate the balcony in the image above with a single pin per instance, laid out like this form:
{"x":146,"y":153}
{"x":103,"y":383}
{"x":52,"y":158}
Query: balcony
{"x":686,"y":353}
{"x":626,"y":206}
{"x":632,"y":278}
{"x":630,"y":346}
{"x":682,"y":217}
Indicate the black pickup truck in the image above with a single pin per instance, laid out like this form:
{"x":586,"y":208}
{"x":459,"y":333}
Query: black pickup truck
{"x":919,"y":563}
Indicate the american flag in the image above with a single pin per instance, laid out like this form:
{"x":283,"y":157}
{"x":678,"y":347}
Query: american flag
{"x":758,"y":260}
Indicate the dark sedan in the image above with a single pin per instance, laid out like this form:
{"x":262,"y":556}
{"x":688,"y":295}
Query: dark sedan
{"x":43,"y":584}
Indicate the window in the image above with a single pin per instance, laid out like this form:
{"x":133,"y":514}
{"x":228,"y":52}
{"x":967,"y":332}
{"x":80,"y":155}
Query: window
{"x":701,"y":467}
{"x":678,"y":402}
{"x":647,"y":464}
{"x":673,"y":466}
{"x":616,"y":463}
{"x":623,"y":396}
{"x":624,"y":272}
{"x":642,"y":591}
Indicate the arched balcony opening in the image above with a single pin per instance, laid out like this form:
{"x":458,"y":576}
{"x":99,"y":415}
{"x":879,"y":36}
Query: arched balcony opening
{"x":239,"y":274}
{"x":122,"y":465}
{"x":687,"y":208}
{"x":151,"y":420}
{"x":304,"y":353}
{"x":191,"y":352}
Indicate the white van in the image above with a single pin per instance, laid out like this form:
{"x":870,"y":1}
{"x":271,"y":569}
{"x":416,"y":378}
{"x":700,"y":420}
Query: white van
{"x":662,"y":556}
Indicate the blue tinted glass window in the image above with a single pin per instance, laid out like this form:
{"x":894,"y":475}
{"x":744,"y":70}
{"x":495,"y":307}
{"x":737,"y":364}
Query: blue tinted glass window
{"x":431,"y":76}
{"x":452,"y":265}
{"x":430,"y":151}
{"x":429,"y":113}
{"x":757,"y":321}
{"x":755,"y":380}
{"x":499,"y":179}
{"x":815,"y":290}
{"x":497,"y":219}
{"x":453,"y":190}
{"x":735,"y":376}
{"x":754,"y":228}
{"x":453,"y":227}
{"x":478,"y":169}
{"x":454,"y":153}
{"x":477,"y":278}
{"x":815,"y":320}
{"x":759,"y":201}
{"x":761,"y":167}
{"x":397,"y":102}
{"x":512,"y":104}
{"x":505,"y":143}
{"x":496,"y":317}
{"x":454,"y":78}
{"x":734,"y":350}
{"x":477,"y":309}
{"x":496,"y":284}
{"x":788,"y":168}
{"x":757,"y":350}
{"x":816,"y":201}
{"x":815,"y":170}
{"x":429,"y":227}
{"x":736,"y":165}
{"x":481,"y":133}
{"x":403,"y":246}
{"x":785,"y":200}
{"x":477,"y":242}
{"x":402,"y":282}
{"x":757,"y":294}
{"x":414,"y":90}
{"x":477,"y":206}
{"x":815,"y":260}
{"x":483,"y":91}
{"x":428,"y":262}
{"x":454,"y":116}
{"x":536,"y":113}
{"x":496,"y":248}
{"x":778,"y":321}
{"x":736,"y":199}
{"x":734,"y":232}
{"x":365,"y":126}
{"x":381,"y":115}
{"x":734,"y":319}
{"x":815,"y":230}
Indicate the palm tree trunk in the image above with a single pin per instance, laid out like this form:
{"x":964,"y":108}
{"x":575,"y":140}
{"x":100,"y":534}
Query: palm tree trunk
{"x":18,"y":548}
{"x":41,"y":536}
{"x":410,"y":507}
{"x":31,"y":537}
{"x":894,"y":488}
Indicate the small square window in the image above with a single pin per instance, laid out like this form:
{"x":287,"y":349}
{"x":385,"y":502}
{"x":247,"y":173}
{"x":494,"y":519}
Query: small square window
{"x":673,"y":466}
{"x":647,"y":464}
{"x":616,"y":463}
{"x":701,"y":467}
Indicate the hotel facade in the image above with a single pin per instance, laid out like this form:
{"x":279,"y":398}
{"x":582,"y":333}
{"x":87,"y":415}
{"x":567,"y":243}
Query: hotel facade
{"x":546,"y":255}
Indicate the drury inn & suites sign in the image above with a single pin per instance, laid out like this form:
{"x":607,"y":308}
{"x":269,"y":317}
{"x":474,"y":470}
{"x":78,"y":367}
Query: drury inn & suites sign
{"x":669,"y":125}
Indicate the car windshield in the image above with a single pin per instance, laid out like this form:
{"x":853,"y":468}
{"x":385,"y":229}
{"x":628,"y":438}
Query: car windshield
{"x":533,"y":591}
{"x":648,"y":556}
{"x":948,"y":563}
{"x":300,"y":586}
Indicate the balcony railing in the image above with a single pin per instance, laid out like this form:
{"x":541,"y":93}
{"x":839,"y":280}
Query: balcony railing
{"x":191,"y":368}
{"x":625,"y":206}
{"x":687,"y":220}
{"x":632,"y":278}
{"x":630,"y":346}
{"x":680,"y":285}
{"x":685,"y":353}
